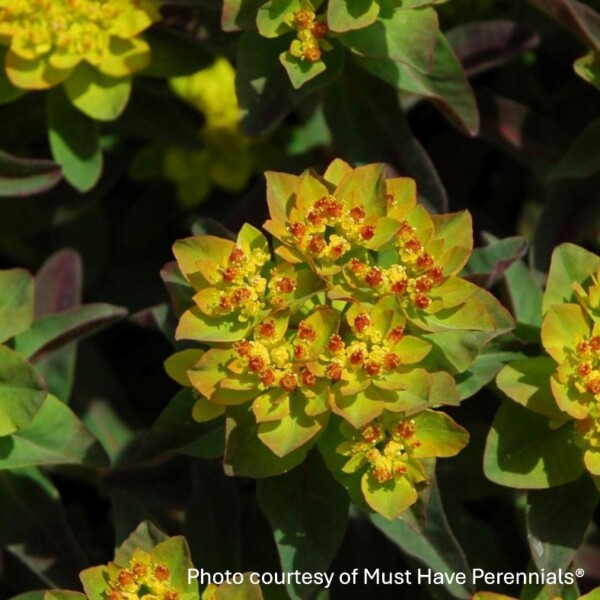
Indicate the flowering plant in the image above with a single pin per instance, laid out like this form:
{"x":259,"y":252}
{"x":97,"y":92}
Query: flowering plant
{"x":358,"y":312}
{"x":559,"y":389}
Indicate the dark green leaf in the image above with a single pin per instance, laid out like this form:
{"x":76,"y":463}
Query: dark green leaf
{"x":34,"y":527}
{"x":174,"y":54}
{"x":74,"y":141}
{"x":485,"y":367}
{"x":379,"y":130}
{"x":557,"y":521}
{"x":525,"y":294}
{"x":436,"y":548}
{"x":176,"y":430}
{"x":487,"y":265}
{"x":432,"y":71}
{"x":213,"y":518}
{"x":308,"y":511}
{"x":582,"y":158}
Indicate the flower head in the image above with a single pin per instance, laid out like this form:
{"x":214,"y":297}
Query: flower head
{"x":141,"y":575}
{"x":48,"y":39}
{"x":387,"y":452}
{"x":236,"y":283}
{"x":227,"y":157}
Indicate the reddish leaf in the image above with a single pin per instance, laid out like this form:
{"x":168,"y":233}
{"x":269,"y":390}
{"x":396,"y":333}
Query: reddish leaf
{"x":527,"y":136}
{"x":484,"y":45}
{"x":58,"y":283}
{"x":581,"y":20}
{"x":26,"y":176}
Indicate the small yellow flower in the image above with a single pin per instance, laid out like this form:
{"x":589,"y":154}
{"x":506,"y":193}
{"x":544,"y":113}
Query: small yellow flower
{"x":226,"y":159}
{"x":48,"y":39}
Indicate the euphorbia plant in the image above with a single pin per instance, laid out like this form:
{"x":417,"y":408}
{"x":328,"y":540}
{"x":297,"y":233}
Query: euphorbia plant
{"x":560,"y":388}
{"x":150,"y":566}
{"x":358,"y":312}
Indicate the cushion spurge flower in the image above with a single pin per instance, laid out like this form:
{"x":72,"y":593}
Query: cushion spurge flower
{"x":386,"y":455}
{"x":227,"y":159}
{"x":79,"y":42}
{"x":301,"y":340}
{"x":563,"y":385}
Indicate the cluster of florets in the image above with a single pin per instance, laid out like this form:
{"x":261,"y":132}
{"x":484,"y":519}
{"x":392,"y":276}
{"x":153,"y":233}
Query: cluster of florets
{"x":586,"y":374}
{"x":48,"y":38}
{"x":571,"y":337}
{"x":385,"y":449}
{"x":339,"y":320}
{"x":310,"y":31}
{"x":143,"y":578}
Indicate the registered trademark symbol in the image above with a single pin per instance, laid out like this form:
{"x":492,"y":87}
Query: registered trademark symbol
{"x":580,"y":573}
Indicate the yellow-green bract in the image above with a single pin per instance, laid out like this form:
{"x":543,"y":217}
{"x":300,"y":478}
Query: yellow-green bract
{"x":358,"y":313}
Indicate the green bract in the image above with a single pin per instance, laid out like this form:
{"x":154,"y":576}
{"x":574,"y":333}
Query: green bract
{"x":359,"y":312}
{"x":561,"y":388}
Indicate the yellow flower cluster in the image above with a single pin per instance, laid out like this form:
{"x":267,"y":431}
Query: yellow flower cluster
{"x":47,"y":39}
{"x":310,"y":34}
{"x":243,"y":287}
{"x":226,"y":159}
{"x":141,"y":579}
{"x":386,"y":449}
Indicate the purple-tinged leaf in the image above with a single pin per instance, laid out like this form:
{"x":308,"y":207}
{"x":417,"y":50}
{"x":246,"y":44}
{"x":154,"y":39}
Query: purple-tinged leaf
{"x":239,"y":14}
{"x":52,"y":332}
{"x":581,"y":20}
{"x":487,"y":265}
{"x":26,"y":176}
{"x":484,"y":45}
{"x":528,"y":137}
{"x":58,"y":283}
{"x":58,"y":287}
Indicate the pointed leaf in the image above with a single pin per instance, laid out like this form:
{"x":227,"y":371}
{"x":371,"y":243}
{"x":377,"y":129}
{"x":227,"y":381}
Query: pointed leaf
{"x":74,"y":140}
{"x":527,"y":382}
{"x":557,"y":521}
{"x":16,"y":302}
{"x":26,"y":176}
{"x":246,"y":455}
{"x":437,"y":547}
{"x":22,"y":391}
{"x":55,"y":331}
{"x":522,"y":451}
{"x":55,"y":436}
{"x":307,"y":511}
